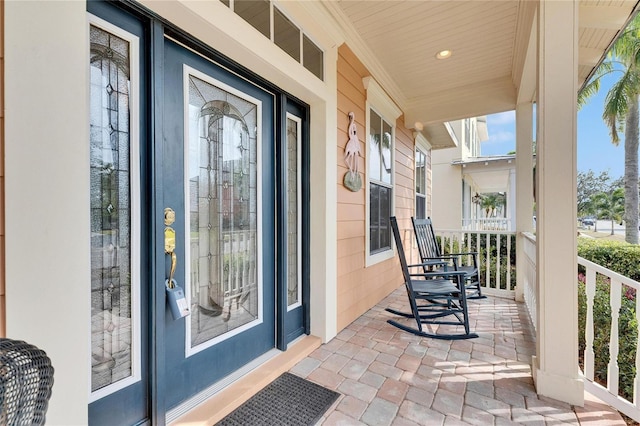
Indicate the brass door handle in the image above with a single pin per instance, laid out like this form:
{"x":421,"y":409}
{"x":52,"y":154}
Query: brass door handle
{"x":170,"y":245}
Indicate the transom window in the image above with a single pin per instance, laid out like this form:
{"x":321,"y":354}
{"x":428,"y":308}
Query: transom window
{"x":275,"y":25}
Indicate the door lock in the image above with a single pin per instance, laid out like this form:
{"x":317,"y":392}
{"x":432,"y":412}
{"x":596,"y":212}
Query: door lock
{"x":175,"y":295}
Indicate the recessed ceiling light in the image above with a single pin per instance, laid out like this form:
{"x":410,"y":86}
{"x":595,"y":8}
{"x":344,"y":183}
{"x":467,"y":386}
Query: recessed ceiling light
{"x":444,"y":54}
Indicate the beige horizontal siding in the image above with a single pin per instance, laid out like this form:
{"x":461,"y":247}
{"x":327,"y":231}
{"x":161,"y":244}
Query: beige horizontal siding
{"x":359,"y":287}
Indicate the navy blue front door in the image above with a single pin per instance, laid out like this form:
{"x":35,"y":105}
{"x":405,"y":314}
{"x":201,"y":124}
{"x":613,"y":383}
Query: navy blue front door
{"x":218,"y":176}
{"x":171,"y":128}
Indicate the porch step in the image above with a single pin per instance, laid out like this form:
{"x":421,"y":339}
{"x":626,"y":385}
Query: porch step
{"x":597,"y":413}
{"x":218,"y":406}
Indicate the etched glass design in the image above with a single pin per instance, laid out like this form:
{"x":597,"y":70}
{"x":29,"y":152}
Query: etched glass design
{"x":111,"y":239}
{"x":223,"y":216}
{"x":293,"y":245}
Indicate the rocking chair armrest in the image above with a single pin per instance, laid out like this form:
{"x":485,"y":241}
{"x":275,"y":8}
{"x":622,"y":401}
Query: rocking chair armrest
{"x":444,"y":257}
{"x":428,"y":262}
{"x":439,"y":274}
{"x":474,"y":253}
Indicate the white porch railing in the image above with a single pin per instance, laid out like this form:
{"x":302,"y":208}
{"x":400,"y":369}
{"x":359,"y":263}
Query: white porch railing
{"x":487,"y":224}
{"x":530,"y":290}
{"x":496,"y":256}
{"x":619,"y":287}
{"x":614,"y":289}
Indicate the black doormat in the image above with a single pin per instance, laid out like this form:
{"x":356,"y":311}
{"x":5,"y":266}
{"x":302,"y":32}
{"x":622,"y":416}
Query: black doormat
{"x":288,"y":400}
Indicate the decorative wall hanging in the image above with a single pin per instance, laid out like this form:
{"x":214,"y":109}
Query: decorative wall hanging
{"x":352,"y":179}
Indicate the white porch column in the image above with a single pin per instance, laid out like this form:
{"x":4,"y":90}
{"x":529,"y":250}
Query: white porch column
{"x":524,"y":188}
{"x":556,"y":366}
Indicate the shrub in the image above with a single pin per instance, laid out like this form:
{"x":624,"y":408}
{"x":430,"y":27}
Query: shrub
{"x":618,"y":256}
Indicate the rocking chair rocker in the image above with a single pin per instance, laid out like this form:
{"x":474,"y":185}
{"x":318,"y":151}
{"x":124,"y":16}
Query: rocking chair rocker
{"x":432,"y":298}
{"x":430,"y":253}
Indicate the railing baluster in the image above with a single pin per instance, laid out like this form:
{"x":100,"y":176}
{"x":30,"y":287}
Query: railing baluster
{"x":467,"y":246}
{"x":613,"y":371}
{"x":498,"y":261}
{"x":508,"y":265}
{"x":488,"y":260}
{"x":589,"y":356}
{"x":636,"y":379}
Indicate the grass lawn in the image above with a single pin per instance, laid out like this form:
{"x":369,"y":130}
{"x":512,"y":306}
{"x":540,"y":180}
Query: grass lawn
{"x":601,"y":235}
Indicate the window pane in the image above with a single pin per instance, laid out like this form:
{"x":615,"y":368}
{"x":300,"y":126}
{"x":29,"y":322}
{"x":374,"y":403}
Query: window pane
{"x":222,"y":175}
{"x":379,"y":212}
{"x":385,"y":212}
{"x":286,"y":35}
{"x":256,"y":13}
{"x":110,"y":206}
{"x":313,"y":58}
{"x":421,"y":207}
{"x":420,"y":172}
{"x":374,"y":216}
{"x":293,"y":138}
{"x":386,"y":153}
{"x":375,"y":135}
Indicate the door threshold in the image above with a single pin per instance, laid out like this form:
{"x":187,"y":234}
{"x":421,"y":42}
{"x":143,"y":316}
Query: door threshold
{"x":214,"y":403}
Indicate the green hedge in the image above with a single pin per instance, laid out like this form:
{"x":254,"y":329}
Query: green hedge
{"x":621,"y":257}
{"x":625,"y":259}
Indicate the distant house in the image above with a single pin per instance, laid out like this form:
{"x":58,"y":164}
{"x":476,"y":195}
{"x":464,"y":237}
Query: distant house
{"x":463,"y":176}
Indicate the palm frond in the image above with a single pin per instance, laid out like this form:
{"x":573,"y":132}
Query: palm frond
{"x":592,"y":88}
{"x":616,"y":103}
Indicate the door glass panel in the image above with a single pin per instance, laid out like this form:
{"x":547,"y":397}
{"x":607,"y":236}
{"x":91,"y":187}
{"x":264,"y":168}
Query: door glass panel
{"x":114,"y":216}
{"x":293,"y":210}
{"x":223,"y":218}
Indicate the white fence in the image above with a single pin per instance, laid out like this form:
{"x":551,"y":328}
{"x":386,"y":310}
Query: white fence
{"x":619,"y":288}
{"x":496,"y":256}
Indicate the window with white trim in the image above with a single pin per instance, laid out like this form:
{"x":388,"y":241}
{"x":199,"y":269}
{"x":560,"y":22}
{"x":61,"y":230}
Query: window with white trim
{"x":421,"y":184}
{"x":380,"y":182}
{"x":382,"y":114}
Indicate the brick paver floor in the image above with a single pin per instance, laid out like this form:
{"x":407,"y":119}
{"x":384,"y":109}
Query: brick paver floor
{"x":390,"y":377}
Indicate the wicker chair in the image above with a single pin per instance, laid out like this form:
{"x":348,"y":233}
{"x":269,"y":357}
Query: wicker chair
{"x":26,"y":379}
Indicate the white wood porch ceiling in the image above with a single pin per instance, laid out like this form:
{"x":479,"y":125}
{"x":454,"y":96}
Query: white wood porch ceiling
{"x":489,"y":39}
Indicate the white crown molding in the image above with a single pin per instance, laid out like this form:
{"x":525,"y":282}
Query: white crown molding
{"x":421,"y":141}
{"x":364,"y":53}
{"x":382,"y":102}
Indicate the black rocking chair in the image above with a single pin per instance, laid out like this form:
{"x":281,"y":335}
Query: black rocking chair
{"x":432,"y":256}
{"x":432,"y":298}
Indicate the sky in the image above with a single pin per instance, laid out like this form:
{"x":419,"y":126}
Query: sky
{"x":595,"y":150}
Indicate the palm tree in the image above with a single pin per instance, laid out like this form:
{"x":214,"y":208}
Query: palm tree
{"x":610,"y":205}
{"x":491,"y":202}
{"x":621,"y":112}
